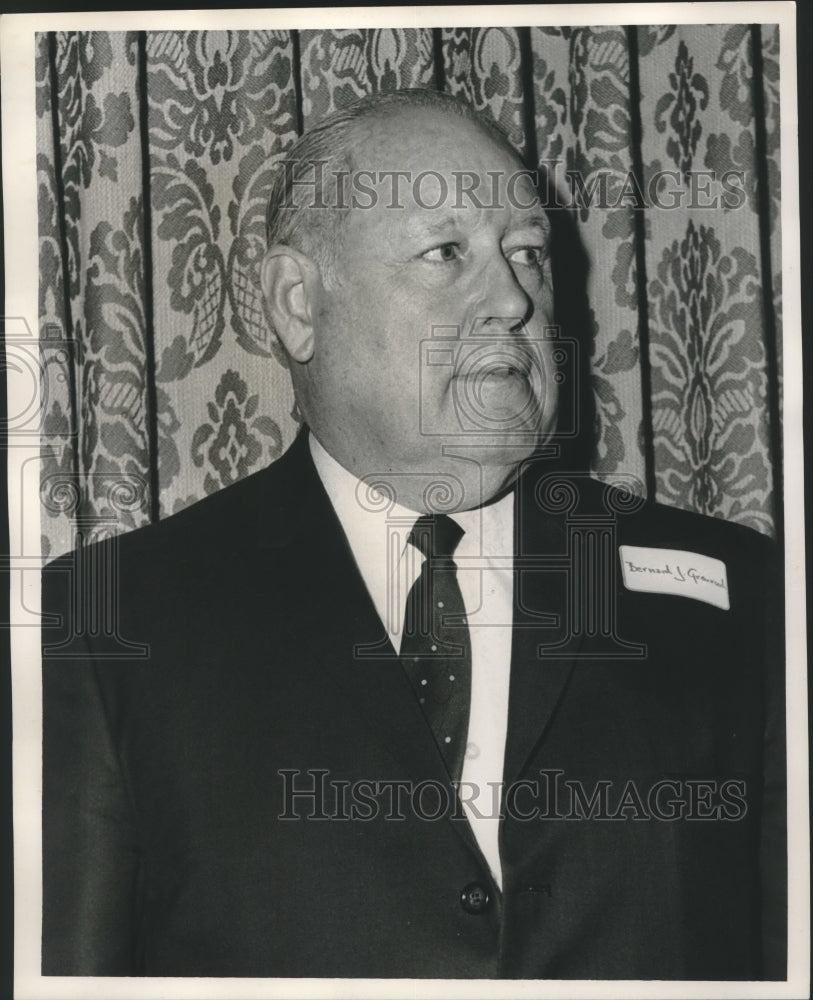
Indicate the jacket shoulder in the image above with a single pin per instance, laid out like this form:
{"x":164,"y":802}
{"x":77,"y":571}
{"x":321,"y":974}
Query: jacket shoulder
{"x":253,"y":509}
{"x":577,"y":501}
{"x":222,"y":537}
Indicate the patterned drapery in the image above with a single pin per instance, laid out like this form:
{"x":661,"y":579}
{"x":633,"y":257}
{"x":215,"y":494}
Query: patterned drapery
{"x":155,"y":154}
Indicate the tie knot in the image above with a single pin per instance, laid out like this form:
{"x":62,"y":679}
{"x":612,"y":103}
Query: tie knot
{"x":436,"y":535}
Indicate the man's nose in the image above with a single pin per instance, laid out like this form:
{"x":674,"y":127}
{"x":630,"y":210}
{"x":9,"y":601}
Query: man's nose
{"x":504,"y":304}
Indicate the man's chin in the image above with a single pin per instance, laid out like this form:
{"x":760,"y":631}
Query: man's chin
{"x":486,"y":466}
{"x":493,"y":451}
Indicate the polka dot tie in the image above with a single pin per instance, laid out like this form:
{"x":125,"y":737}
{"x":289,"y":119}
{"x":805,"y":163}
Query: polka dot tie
{"x":435,"y":643}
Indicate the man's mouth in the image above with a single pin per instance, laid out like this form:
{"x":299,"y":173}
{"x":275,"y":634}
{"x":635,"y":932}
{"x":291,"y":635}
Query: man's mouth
{"x":502,"y":388}
{"x":498,"y":367}
{"x":502,"y":371}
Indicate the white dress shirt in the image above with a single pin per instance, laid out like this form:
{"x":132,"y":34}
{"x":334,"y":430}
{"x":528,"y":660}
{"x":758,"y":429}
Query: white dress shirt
{"x":377,"y":531}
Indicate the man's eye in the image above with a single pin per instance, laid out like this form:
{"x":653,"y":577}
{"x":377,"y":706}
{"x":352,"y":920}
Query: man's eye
{"x":528,"y":256}
{"x":443,"y":254}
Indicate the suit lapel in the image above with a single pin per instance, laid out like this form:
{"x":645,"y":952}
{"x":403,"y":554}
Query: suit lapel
{"x":342,"y":635}
{"x":539,"y":670}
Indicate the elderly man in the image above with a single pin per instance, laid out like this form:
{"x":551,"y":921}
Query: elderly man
{"x":417,"y":703}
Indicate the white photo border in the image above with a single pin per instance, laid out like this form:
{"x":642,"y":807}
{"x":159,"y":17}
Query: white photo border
{"x":17,"y":35}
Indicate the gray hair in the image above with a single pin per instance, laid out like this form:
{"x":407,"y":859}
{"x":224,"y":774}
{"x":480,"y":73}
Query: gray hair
{"x":326,"y":150}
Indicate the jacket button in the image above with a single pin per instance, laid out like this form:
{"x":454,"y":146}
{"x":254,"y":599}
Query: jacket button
{"x":475,"y":898}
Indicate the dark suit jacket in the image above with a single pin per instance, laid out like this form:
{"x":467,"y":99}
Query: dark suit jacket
{"x":166,"y":776}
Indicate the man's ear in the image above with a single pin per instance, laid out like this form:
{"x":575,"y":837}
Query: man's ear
{"x":287,"y":277}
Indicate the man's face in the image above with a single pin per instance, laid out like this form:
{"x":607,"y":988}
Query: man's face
{"x":387,"y":391}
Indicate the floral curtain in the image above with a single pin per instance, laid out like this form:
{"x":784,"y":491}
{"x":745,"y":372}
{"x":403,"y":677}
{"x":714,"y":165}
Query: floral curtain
{"x":163,"y":382}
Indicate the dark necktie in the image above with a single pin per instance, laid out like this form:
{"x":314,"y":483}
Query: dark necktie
{"x":435,"y":643}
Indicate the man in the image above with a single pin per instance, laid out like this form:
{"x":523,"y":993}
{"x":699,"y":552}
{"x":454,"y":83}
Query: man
{"x":415,"y":702}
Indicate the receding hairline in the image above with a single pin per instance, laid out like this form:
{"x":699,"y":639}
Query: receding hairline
{"x":366,"y":109}
{"x":370,"y":131}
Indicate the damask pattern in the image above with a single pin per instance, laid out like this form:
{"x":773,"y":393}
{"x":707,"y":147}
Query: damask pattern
{"x":190,"y":220}
{"x":735,"y":148}
{"x":166,"y":381}
{"x":229,"y":445}
{"x":221,"y":112}
{"x":338,"y":67}
{"x":708,"y":352}
{"x":688,"y":94}
{"x":709,"y":383}
{"x":209,"y":89}
{"x":483,"y":65}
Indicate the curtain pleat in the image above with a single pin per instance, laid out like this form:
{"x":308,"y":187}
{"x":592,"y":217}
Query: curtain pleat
{"x":59,"y":470}
{"x":584,"y":136}
{"x":155,"y":158}
{"x":97,"y":162}
{"x":222,"y":110}
{"x":707,"y":342}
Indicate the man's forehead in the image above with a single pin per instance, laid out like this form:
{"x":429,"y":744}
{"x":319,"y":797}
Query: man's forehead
{"x":440,"y":169}
{"x":428,"y":138}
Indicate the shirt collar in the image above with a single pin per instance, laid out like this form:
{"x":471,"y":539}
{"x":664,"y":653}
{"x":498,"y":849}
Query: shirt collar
{"x":377,"y":530}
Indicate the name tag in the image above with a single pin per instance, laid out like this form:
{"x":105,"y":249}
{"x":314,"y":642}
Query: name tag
{"x":673,"y":571}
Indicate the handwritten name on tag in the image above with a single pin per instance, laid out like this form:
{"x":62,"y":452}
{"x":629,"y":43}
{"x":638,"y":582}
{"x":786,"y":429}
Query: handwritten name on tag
{"x":673,"y":571}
